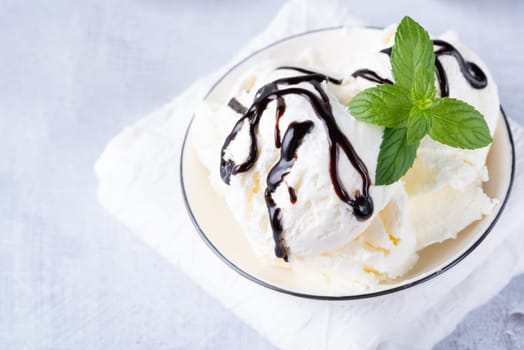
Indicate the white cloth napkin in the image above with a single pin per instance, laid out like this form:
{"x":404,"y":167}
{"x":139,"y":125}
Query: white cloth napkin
{"x":140,"y":186}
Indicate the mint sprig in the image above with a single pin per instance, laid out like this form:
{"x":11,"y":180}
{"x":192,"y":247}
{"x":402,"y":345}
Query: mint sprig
{"x":395,"y":157}
{"x":410,"y":108}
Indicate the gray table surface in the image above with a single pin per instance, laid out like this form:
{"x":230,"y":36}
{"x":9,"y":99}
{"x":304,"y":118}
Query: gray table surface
{"x":72,"y":74}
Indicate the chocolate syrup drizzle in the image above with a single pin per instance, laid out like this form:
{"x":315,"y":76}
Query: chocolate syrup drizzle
{"x":470,"y":70}
{"x":361,"y":202}
{"x":293,"y":137}
{"x":292,"y":195}
{"x":368,"y":74}
{"x":281,"y":108}
{"x":238,"y":107}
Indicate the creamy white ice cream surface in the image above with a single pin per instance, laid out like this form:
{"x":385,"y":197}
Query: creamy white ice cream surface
{"x":290,"y":179}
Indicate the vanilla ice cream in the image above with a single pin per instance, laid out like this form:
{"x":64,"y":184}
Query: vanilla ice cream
{"x":297,"y":170}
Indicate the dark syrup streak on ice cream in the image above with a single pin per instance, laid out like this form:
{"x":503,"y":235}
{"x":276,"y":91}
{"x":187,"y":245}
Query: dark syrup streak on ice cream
{"x":238,"y":107}
{"x":293,"y":137}
{"x":281,"y":108}
{"x":471,"y":71}
{"x":292,"y":195}
{"x":368,"y":74}
{"x":361,"y":202}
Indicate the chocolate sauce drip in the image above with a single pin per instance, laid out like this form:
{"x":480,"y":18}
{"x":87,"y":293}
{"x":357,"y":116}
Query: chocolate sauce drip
{"x":470,"y":70}
{"x":292,"y":140}
{"x":281,"y":108}
{"x":442,"y":78}
{"x":263,"y":97}
{"x":371,"y":76}
{"x":292,"y":195}
{"x":360,"y":203}
{"x":238,"y":107}
{"x":311,"y":72}
{"x":387,"y":50}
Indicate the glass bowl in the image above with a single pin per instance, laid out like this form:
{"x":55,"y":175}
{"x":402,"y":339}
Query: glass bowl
{"x":219,"y":230}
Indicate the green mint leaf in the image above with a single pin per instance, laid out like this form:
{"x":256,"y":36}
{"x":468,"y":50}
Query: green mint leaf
{"x":457,"y":124}
{"x":409,"y":109}
{"x":419,"y":123}
{"x":396,"y":156}
{"x":413,"y":48}
{"x":423,"y":89}
{"x":387,"y":105}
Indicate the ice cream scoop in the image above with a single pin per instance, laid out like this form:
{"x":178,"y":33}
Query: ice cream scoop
{"x":297,"y":170}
